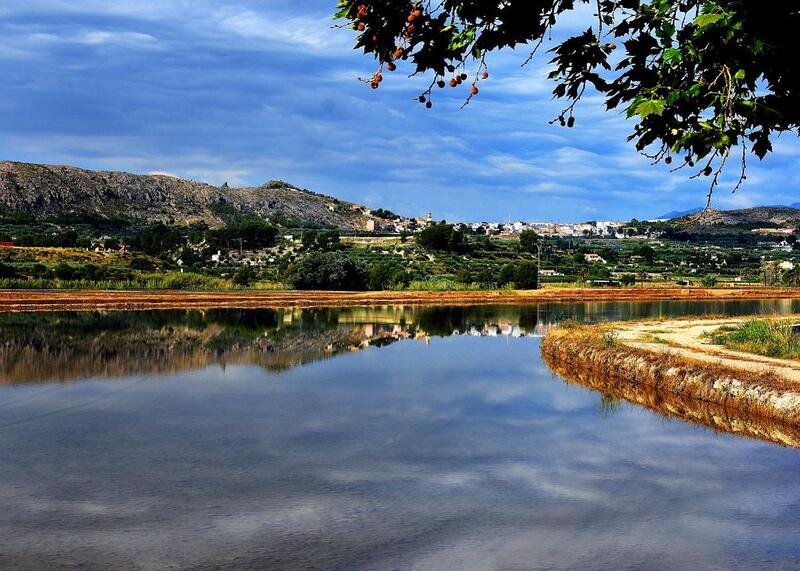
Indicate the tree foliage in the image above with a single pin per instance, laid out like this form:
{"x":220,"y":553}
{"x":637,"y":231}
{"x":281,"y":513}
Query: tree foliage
{"x":329,"y":270}
{"x":528,"y":241}
{"x":324,"y":240}
{"x":523,"y":274}
{"x":700,"y":77}
{"x":386,"y":275}
{"x":250,"y":232}
{"x":443,"y":237}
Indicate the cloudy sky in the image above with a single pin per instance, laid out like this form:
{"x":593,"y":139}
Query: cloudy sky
{"x":245,"y":92}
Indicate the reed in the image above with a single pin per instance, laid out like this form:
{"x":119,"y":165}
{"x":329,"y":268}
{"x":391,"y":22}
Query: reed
{"x":768,"y":337}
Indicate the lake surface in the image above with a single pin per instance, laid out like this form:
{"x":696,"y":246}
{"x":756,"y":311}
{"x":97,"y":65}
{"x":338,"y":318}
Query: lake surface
{"x":387,"y":438}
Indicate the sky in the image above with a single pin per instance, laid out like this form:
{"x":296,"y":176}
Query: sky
{"x":246,"y":92}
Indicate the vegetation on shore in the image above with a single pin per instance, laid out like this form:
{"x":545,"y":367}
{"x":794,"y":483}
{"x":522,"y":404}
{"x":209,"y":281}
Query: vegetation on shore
{"x":768,"y":337}
{"x":249,"y":252}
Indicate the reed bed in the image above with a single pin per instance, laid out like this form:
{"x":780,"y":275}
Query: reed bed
{"x":768,"y":337}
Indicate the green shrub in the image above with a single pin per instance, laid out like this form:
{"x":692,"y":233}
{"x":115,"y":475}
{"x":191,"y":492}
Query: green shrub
{"x":599,"y":272}
{"x":63,"y":271}
{"x":772,"y":338}
{"x":249,"y":232}
{"x":709,"y":281}
{"x":464,"y":276}
{"x":324,"y":241}
{"x":244,"y":276}
{"x":527,"y":275}
{"x":329,"y":270}
{"x":485,"y":277}
{"x":387,"y":275}
{"x":7,"y":270}
{"x":507,"y":275}
{"x":528,"y":241}
{"x":142,"y":264}
{"x":443,"y":237}
{"x":523,"y":274}
{"x":440,"y":284}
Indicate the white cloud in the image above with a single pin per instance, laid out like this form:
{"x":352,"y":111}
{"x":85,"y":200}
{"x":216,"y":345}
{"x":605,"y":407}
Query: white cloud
{"x":296,"y":32}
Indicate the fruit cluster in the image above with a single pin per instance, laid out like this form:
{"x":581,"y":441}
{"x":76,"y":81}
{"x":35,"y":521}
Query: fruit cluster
{"x":409,"y":35}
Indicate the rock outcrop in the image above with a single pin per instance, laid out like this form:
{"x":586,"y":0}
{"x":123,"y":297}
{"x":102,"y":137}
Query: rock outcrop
{"x":49,"y":190}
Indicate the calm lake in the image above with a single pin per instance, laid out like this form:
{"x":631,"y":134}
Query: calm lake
{"x":363,"y":438}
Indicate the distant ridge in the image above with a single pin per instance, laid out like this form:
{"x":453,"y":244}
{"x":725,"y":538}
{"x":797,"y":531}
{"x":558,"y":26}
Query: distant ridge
{"x":679,"y":213}
{"x":52,"y":190}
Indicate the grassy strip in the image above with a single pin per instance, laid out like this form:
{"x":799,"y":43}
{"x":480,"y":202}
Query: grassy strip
{"x":768,"y":337}
{"x":147,"y":281}
{"x":443,"y":284}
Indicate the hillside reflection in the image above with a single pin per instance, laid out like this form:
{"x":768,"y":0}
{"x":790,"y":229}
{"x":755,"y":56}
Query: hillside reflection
{"x":70,"y":346}
{"x":64,"y":346}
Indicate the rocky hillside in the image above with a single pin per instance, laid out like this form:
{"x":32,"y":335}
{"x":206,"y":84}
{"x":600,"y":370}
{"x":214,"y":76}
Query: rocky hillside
{"x":738,"y":221}
{"x":778,"y":215}
{"x":50,"y":190}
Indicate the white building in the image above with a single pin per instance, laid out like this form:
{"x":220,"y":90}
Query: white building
{"x":594,"y":258}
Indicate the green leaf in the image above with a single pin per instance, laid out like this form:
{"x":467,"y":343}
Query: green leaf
{"x":704,"y":20}
{"x":740,"y":75}
{"x":650,"y":107}
{"x":672,"y":55}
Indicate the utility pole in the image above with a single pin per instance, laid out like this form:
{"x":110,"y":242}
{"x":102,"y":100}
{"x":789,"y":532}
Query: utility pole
{"x":538,"y":265}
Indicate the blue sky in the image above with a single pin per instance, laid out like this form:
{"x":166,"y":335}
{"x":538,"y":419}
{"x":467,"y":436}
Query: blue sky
{"x":245,"y":92}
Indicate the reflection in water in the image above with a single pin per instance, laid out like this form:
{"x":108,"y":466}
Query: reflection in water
{"x":455,"y":451}
{"x":614,"y":387}
{"x":66,"y":346}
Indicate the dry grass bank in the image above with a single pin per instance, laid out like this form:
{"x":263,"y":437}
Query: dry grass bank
{"x":672,"y":367}
{"x":53,"y":300}
{"x":660,"y":399}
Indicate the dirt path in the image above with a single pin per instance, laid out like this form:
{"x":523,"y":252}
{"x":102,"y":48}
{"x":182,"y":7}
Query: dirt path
{"x":53,"y":300}
{"x":688,"y":338}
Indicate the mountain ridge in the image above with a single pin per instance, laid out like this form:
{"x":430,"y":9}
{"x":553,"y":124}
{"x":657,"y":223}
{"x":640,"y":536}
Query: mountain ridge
{"x":678,"y":213}
{"x":46,"y":190}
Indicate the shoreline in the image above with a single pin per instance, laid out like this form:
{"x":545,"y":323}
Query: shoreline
{"x":87,"y":300}
{"x":663,"y":401}
{"x":668,"y":364}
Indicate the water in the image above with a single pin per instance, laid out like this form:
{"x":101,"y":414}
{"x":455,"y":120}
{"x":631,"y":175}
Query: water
{"x":390,"y":438}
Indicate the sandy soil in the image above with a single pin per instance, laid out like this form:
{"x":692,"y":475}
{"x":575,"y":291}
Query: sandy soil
{"x":687,"y":338}
{"x":51,"y":300}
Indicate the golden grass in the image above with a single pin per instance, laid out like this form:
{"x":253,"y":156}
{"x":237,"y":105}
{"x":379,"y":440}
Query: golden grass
{"x":67,"y":255}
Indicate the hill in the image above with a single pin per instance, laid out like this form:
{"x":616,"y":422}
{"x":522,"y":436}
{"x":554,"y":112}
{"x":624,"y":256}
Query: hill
{"x":779,"y":216}
{"x":744,"y":225}
{"x":767,"y":216}
{"x":55,"y":190}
